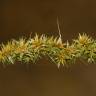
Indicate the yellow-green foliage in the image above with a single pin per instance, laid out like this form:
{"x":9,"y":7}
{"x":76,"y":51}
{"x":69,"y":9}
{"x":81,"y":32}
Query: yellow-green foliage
{"x":32,"y":49}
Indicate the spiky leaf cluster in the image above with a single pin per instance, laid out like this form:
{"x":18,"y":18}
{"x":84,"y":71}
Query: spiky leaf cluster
{"x":32,"y":49}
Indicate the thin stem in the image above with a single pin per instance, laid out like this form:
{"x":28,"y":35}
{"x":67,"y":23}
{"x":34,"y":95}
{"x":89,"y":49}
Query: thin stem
{"x":58,"y":28}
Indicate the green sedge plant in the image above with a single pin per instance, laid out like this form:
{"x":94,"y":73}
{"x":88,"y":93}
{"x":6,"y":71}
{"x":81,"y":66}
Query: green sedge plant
{"x":32,"y":49}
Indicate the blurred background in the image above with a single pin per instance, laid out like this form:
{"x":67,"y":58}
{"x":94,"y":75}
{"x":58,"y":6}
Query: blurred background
{"x":22,"y":17}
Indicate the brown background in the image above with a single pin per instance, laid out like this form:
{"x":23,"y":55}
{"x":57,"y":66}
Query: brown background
{"x":20,"y":18}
